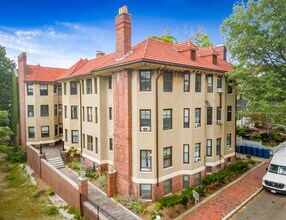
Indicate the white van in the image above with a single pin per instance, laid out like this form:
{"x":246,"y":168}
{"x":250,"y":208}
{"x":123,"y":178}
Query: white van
{"x":275,"y":178}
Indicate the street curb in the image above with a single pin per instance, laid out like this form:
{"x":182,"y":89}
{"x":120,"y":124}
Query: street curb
{"x":231,"y":213}
{"x":216,"y":193}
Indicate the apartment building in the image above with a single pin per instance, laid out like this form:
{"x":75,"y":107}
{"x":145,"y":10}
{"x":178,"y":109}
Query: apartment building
{"x":161,"y":115}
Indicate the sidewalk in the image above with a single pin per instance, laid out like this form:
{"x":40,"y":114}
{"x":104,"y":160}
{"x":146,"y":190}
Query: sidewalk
{"x":101,"y":200}
{"x":225,"y":201}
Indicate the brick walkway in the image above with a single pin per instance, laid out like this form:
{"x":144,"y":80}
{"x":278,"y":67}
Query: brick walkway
{"x":219,"y":206}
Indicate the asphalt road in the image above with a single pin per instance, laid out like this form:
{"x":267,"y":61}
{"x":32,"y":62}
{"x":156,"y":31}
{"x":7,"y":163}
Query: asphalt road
{"x":265,"y":205}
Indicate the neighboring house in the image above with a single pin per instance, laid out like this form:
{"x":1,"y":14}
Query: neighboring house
{"x":242,"y":120}
{"x":162,"y":115}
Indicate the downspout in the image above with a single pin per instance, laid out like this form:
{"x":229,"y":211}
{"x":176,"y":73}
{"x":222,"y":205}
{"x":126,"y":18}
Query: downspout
{"x":80,"y":117}
{"x":157,"y":129}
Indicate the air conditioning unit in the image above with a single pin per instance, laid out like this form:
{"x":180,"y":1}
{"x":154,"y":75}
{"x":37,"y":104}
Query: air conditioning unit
{"x":197,"y":159}
{"x":219,"y":90}
{"x":219,"y":122}
{"x":145,"y":128}
{"x":55,"y":94}
{"x":228,"y":147}
{"x":197,"y":125}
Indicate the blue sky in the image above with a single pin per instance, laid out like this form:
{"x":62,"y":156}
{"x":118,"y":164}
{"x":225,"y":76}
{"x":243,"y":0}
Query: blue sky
{"x":59,"y":32}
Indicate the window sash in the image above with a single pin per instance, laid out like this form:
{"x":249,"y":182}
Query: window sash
{"x":145,"y":158}
{"x":146,"y":191}
{"x":110,"y":113}
{"x":186,"y":117}
{"x":186,"y":82}
{"x":167,"y":186}
{"x":95,"y":85}
{"x":31,"y":132}
{"x":43,"y":89}
{"x":210,"y":83}
{"x":167,"y":157}
{"x":60,"y":128}
{"x":73,"y":112}
{"x":74,"y":136}
{"x":89,"y":143}
{"x":56,"y":130}
{"x":209,"y":147}
{"x":44,"y":110}
{"x":89,"y":114}
{"x":145,"y":81}
{"x":110,"y":82}
{"x":167,"y":119}
{"x":198,"y":80}
{"x":167,"y":82}
{"x":30,"y":89}
{"x":88,"y":86}
{"x":96,"y":145}
{"x":197,"y":150}
{"x":218,"y":113}
{"x":30,"y":111}
{"x":219,"y":82}
{"x":185,"y":153}
{"x":60,"y":89}
{"x":110,"y":144}
{"x":218,"y":146}
{"x":209,"y":115}
{"x":45,"y":131}
{"x":145,"y":119}
{"x":228,"y":139}
{"x":73,"y":86}
{"x":197,"y":115}
{"x":186,"y":181}
{"x":229,"y":113}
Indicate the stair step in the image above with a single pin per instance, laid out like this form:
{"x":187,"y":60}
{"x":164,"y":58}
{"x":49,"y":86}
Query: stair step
{"x":57,"y":162}
{"x":55,"y":158}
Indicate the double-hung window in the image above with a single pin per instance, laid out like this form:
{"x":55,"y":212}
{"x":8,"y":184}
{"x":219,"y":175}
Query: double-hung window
{"x":186,"y":181}
{"x":186,"y":82}
{"x":198,"y":83}
{"x":110,"y":144}
{"x":73,"y":87}
{"x":146,"y":191}
{"x":218,"y":146}
{"x":45,"y":131}
{"x":219,"y":82}
{"x":95,"y":85}
{"x":167,"y":119}
{"x":145,"y":160}
{"x":30,"y":90}
{"x":89,"y":143}
{"x":209,"y":148}
{"x":89,"y":86}
{"x":31,"y":132}
{"x":210,"y":83}
{"x":167,"y":186}
{"x":167,"y":157}
{"x":228,"y":141}
{"x":44,"y":110}
{"x":43,"y":89}
{"x":218,"y":115}
{"x":65,"y":88}
{"x":74,"y":112}
{"x":55,"y":110}
{"x":209,"y":115}
{"x":186,"y":154}
{"x":56,"y":130}
{"x":145,"y":120}
{"x":197,"y":117}
{"x":197,"y":152}
{"x":66,"y":111}
{"x":110,"y":82}
{"x":89,"y":114}
{"x":229,"y":113}
{"x":74,"y":134}
{"x":145,"y":80}
{"x":186,"y":117}
{"x":30,"y":111}
{"x":60,"y":128}
{"x":167,"y":82}
{"x":60,"y":89}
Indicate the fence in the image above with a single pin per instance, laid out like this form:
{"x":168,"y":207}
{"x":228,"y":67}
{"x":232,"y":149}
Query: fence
{"x":240,"y":141}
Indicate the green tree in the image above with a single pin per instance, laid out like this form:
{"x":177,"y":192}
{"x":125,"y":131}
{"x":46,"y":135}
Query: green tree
{"x":6,"y":69}
{"x":255,"y":36}
{"x":166,"y":37}
{"x":14,"y":107}
{"x":201,"y":38}
{"x":5,"y":131}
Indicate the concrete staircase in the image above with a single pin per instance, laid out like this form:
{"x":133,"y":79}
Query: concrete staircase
{"x":57,"y":162}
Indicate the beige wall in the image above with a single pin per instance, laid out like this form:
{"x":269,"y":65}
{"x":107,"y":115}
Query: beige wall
{"x":177,"y":100}
{"x":37,"y":121}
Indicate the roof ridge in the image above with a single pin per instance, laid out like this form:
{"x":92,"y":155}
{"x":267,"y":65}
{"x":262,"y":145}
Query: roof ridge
{"x":146,"y":46}
{"x":107,"y":60}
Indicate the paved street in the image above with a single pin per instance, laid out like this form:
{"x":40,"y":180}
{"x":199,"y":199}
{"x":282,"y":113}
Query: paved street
{"x":265,"y":206}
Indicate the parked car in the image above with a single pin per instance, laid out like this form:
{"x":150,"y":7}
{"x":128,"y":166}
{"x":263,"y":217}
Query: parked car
{"x":275,"y":178}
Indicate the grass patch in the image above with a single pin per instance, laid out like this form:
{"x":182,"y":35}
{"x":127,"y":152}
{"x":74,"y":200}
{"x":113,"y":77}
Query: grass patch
{"x":51,"y":210}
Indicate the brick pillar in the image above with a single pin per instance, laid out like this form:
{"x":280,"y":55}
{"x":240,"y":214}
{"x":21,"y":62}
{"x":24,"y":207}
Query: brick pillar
{"x":111,"y":183}
{"x":122,"y":131}
{"x":22,"y":71}
{"x":83,"y":187}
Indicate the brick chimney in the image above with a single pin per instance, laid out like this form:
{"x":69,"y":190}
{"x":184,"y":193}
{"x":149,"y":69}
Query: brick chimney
{"x":123,"y":32}
{"x":221,"y":49}
{"x":22,"y":71}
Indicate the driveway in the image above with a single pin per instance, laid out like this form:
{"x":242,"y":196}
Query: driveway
{"x":264,"y":206}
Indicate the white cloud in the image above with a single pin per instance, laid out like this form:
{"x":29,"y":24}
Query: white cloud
{"x":58,"y":45}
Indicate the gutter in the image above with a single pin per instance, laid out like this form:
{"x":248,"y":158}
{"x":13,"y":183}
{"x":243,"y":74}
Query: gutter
{"x":157,"y":128}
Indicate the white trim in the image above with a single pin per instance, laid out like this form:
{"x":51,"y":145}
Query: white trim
{"x":43,"y":142}
{"x":229,"y":155}
{"x":168,"y":176}
{"x":211,"y":164}
{"x":96,"y":160}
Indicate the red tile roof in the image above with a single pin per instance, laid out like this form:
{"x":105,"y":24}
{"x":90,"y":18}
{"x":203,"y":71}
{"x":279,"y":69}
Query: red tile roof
{"x":43,"y":74}
{"x":149,"y":50}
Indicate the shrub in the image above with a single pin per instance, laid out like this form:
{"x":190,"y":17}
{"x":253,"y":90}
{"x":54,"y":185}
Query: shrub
{"x":255,"y":136}
{"x":275,"y":136}
{"x":73,"y":150}
{"x":51,"y":210}
{"x":14,"y":154}
{"x":75,"y":165}
{"x":154,"y":214}
{"x":75,"y":212}
{"x":50,"y":191}
{"x":170,"y":201}
{"x":102,"y":181}
{"x":241,"y":131}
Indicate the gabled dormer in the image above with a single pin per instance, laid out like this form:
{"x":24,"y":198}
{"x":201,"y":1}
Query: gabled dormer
{"x":188,"y":49}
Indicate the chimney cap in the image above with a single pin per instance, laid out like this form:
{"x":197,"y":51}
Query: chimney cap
{"x":122,"y":10}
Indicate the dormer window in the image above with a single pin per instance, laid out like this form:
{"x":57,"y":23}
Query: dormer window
{"x":214,"y":59}
{"x":193,"y":55}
